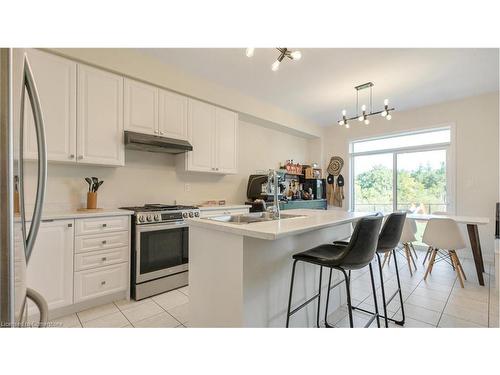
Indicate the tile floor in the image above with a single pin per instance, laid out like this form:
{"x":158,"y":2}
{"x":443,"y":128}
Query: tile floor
{"x":437,"y":302}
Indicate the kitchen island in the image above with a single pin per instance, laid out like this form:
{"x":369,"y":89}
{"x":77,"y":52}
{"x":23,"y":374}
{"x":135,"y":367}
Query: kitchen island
{"x":239,"y":274}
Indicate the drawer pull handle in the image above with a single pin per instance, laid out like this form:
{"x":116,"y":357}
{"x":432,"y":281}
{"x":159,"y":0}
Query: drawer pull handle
{"x":103,"y":282}
{"x":104,"y":259}
{"x":104,"y":225}
{"x":104,"y":242}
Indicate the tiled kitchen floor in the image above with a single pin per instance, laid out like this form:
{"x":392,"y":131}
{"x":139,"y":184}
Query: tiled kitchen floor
{"x":437,"y":302}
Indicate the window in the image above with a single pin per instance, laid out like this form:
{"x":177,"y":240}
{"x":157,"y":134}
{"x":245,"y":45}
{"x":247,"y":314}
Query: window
{"x":409,"y":171}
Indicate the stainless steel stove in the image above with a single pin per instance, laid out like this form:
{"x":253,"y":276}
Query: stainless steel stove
{"x":160,"y":248}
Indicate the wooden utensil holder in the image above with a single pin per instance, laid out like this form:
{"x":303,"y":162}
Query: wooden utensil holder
{"x":91,"y":200}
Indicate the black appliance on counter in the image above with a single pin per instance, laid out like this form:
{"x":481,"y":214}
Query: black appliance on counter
{"x":317,"y":186}
{"x":160,"y":248}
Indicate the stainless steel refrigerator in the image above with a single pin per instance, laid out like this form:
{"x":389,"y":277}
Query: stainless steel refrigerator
{"x":17,"y":238}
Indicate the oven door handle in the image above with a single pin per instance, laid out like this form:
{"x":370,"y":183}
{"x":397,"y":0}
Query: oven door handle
{"x":160,"y":226}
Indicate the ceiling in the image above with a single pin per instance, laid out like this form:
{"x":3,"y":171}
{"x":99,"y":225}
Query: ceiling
{"x":322,"y":83}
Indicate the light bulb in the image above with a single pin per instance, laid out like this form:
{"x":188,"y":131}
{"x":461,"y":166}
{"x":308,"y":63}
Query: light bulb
{"x":344,"y":112}
{"x":367,"y":122}
{"x":347,"y":126}
{"x":341,"y":122}
{"x":388,"y":117}
{"x":296,"y":55}
{"x":383,"y":114}
{"x":249,"y":52}
{"x":386,"y":102}
{"x":361,"y":118}
{"x":275,"y":66}
{"x":363,"y":107}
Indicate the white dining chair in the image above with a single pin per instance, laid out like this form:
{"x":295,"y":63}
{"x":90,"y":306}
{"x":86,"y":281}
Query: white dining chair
{"x":429,"y":250}
{"x":443,"y":234}
{"x":407,"y":237}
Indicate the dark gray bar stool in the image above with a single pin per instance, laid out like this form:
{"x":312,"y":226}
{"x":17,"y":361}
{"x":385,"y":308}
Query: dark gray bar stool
{"x":388,"y":241}
{"x":356,"y":254}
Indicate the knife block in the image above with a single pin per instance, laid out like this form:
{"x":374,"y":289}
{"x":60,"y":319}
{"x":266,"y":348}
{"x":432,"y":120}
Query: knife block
{"x":91,"y":200}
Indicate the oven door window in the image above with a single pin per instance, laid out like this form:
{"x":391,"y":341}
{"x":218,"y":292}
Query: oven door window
{"x":161,"y":249}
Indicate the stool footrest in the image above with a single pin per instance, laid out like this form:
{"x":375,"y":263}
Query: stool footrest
{"x":398,"y":322}
{"x":304,"y":304}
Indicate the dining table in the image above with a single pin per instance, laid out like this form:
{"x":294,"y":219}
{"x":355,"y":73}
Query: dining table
{"x":472,"y":223}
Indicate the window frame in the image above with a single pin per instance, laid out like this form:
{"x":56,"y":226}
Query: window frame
{"x":449,"y":147}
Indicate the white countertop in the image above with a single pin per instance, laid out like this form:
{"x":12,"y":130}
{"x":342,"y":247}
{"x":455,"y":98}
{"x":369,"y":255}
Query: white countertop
{"x":459,"y":219}
{"x":272,"y":230}
{"x":225,"y":207}
{"x":75,"y":214}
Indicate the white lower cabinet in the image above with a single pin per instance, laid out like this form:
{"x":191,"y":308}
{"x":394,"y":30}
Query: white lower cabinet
{"x":69,"y":266}
{"x":50,"y":268}
{"x":100,"y":281}
{"x":102,"y":253}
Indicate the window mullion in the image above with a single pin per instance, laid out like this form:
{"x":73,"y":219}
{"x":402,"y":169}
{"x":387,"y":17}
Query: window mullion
{"x":394,"y":181}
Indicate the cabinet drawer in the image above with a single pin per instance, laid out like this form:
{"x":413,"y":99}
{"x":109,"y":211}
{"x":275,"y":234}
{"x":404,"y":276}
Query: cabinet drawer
{"x":95,"y":259}
{"x":102,"y":225}
{"x":98,"y":242}
{"x":100,"y":281}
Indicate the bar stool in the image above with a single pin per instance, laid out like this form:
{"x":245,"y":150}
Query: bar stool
{"x":358,"y":253}
{"x":444,"y":234}
{"x":389,"y":238}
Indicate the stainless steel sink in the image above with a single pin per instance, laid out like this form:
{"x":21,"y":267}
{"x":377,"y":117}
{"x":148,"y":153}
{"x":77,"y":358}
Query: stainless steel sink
{"x":256,"y":217}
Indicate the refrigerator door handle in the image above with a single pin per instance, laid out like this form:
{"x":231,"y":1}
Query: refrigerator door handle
{"x":30,"y":87}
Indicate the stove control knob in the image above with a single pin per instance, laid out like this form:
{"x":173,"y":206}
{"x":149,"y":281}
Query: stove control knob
{"x":197,"y":214}
{"x":157,"y":217}
{"x":191,"y":214}
{"x":150,"y":218}
{"x":184,"y":214}
{"x":141,"y":219}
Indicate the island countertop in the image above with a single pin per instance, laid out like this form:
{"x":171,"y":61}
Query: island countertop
{"x":276,"y":229}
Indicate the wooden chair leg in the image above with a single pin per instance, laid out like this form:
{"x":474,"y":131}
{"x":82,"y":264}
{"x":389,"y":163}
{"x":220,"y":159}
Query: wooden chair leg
{"x":414,"y":252}
{"x":429,"y":251}
{"x":457,"y":268}
{"x":451,"y":259}
{"x":460,"y":266}
{"x":431,"y":263}
{"x":386,"y":256}
{"x":408,"y":257}
{"x":411,"y":257}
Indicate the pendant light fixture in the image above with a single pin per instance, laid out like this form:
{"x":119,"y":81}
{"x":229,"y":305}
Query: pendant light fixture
{"x":363,"y":117}
{"x":284,"y":52}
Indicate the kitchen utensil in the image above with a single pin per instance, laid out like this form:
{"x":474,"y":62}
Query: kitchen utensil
{"x":330,"y":179}
{"x":95,"y":180}
{"x":335,"y":166}
{"x":96,"y":187}
{"x":89,"y":181}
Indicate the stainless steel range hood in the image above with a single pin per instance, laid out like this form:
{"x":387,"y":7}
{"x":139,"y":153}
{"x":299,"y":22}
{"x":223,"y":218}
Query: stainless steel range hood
{"x":153,"y":143}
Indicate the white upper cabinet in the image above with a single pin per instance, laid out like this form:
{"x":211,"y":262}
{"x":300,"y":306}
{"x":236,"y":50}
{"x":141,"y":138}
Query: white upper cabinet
{"x":213,"y":133}
{"x":201,"y":132}
{"x":50,"y":269}
{"x":226,"y":141}
{"x":141,"y":107}
{"x":100,"y":117}
{"x":173,"y":115}
{"x":55,"y":78}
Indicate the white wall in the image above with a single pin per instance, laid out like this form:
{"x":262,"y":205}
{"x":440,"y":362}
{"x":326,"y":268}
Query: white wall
{"x":476,"y":151}
{"x":157,"y":178}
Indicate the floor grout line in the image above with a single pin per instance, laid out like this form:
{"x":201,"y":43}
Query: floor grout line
{"x":120,"y":310}
{"x":166,"y":309}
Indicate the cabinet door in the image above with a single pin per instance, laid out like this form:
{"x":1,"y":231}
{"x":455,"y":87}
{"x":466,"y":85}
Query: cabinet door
{"x":226,"y":141}
{"x":201,"y":129}
{"x":141,"y":107}
{"x":100,"y":117}
{"x":173,"y":115}
{"x":50,"y":269}
{"x":55,"y":78}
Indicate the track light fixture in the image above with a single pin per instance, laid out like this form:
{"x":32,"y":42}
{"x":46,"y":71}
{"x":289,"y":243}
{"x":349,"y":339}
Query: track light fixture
{"x":284,"y":52}
{"x":363,"y":117}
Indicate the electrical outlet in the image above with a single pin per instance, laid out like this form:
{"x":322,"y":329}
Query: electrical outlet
{"x":187,"y":188}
